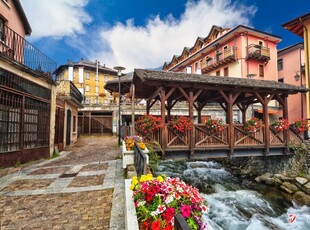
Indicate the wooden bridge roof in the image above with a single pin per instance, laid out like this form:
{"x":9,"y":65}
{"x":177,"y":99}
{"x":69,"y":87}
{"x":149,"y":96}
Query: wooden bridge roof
{"x":147,"y":82}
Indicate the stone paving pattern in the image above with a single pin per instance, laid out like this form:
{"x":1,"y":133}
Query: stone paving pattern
{"x":82,"y":189}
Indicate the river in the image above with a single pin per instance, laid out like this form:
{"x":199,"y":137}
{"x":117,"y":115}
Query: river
{"x":236,"y":204}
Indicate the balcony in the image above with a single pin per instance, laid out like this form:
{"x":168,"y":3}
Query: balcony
{"x":66,"y":90}
{"x":220,"y":59}
{"x":14,"y":46}
{"x":258,"y":53}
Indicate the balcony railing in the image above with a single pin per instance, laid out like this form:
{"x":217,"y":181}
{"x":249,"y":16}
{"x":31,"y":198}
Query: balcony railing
{"x":16,"y":47}
{"x":220,"y":59}
{"x":258,"y":52}
{"x":66,"y":88}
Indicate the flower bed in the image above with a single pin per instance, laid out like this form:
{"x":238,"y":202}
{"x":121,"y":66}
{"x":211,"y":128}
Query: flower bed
{"x":158,"y":199}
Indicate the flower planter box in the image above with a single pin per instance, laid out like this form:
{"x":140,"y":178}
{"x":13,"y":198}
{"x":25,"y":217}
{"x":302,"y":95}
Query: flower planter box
{"x":131,"y":221}
{"x":128,"y":156}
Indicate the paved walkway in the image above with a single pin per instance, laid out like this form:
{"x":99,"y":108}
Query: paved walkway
{"x":82,"y":189}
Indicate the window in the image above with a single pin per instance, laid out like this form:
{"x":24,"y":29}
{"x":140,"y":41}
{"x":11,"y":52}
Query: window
{"x":280,"y":64}
{"x":218,"y":73}
{"x":261,"y":70}
{"x":87,"y":75}
{"x":74,"y":124}
{"x":261,"y":43}
{"x":281,"y":80}
{"x":196,"y":67}
{"x":225,"y":48}
{"x":188,"y":69}
{"x":2,"y":29}
{"x":87,"y":88}
{"x":226,"y":71}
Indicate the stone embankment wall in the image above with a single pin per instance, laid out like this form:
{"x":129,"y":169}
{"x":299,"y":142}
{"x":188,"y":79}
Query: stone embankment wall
{"x":290,"y":174}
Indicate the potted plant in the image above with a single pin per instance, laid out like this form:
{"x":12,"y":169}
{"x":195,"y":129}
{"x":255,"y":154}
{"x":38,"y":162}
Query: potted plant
{"x":149,"y":123}
{"x":128,"y":149}
{"x":253,"y":125}
{"x":281,"y":125}
{"x":181,"y":124}
{"x":214,"y":125}
{"x":157,"y":200}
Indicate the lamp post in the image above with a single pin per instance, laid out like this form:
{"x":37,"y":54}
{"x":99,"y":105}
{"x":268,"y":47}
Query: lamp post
{"x":119,"y":75}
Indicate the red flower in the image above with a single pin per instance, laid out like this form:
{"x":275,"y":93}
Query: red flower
{"x":156,"y":225}
{"x":169,"y":227}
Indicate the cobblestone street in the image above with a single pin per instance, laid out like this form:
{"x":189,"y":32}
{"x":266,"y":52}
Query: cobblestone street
{"x":81,"y":189}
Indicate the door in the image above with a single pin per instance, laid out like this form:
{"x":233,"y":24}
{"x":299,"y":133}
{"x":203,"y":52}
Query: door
{"x":68,"y":136}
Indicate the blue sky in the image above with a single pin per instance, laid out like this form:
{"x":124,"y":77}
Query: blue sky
{"x":146,"y":33}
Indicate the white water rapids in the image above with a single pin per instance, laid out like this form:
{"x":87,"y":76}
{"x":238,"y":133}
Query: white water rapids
{"x":235,"y":204}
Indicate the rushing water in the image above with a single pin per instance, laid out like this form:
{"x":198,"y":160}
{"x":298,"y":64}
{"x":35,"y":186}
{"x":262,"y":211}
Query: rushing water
{"x":237,"y":204}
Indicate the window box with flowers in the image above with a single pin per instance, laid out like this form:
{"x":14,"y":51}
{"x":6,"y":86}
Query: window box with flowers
{"x":157,"y":200}
{"x":281,"y":125}
{"x":180,"y":124}
{"x":300,"y":126}
{"x":253,"y":125}
{"x":214,"y":126}
{"x":149,"y":123}
{"x":128,"y":149}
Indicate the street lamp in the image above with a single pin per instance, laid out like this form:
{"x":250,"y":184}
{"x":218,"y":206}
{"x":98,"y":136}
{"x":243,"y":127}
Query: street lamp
{"x":119,"y":75}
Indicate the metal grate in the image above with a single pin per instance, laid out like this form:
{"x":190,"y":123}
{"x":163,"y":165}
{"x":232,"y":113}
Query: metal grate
{"x":10,"y":122}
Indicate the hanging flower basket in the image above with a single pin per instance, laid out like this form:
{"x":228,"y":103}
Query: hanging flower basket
{"x":214,"y":125}
{"x":253,"y":125}
{"x":281,"y":125}
{"x":300,"y":126}
{"x":180,"y":124}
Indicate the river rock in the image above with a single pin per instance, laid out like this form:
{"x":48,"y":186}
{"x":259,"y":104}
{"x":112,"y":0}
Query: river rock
{"x":289,"y":188}
{"x":302,"y":198}
{"x":283,"y":178}
{"x":270,"y":181}
{"x":263,"y":178}
{"x":277,"y":181}
{"x":301,"y":180}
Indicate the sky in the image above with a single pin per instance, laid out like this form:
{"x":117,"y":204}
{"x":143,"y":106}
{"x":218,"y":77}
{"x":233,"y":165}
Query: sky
{"x":146,"y":33}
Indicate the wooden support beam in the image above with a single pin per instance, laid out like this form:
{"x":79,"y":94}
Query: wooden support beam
{"x":286,"y":136}
{"x":231,"y":124}
{"x":184,"y":93}
{"x":170,"y":93}
{"x":152,"y":103}
{"x":191,"y":116}
{"x":148,"y":107}
{"x":155,"y":93}
{"x":163,"y":129}
{"x":266,"y":121}
{"x":197,"y":94}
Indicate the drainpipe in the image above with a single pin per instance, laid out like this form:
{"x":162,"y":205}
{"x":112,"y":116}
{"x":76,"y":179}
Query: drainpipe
{"x":301,"y":96}
{"x":247,"y":54}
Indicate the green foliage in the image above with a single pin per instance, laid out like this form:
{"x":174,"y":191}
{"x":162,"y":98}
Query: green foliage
{"x":55,"y":155}
{"x":154,"y":158}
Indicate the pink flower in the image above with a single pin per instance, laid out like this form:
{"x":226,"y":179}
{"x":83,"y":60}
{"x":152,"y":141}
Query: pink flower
{"x":185,"y":210}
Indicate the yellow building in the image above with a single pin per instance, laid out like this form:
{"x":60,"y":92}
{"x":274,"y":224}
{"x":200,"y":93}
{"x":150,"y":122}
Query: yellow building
{"x":90,"y":78}
{"x":301,"y":27}
{"x":100,"y":107}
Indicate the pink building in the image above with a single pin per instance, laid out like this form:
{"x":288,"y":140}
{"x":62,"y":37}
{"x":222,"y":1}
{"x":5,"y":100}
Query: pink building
{"x":291,"y":70}
{"x":239,"y":52}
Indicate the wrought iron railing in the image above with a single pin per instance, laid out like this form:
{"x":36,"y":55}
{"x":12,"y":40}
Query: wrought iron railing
{"x":16,"y":47}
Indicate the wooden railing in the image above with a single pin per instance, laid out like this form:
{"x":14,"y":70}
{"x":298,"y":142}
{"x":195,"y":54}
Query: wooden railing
{"x":139,"y":160}
{"x":256,"y":51}
{"x":180,"y":223}
{"x":204,"y":140}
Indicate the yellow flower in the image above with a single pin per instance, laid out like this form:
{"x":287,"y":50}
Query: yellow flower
{"x":149,"y":177}
{"x":134,"y":181}
{"x":132,"y":187}
{"x":141,"y":145}
{"x":135,"y":178}
{"x":143,"y":178}
{"x":160,"y":179}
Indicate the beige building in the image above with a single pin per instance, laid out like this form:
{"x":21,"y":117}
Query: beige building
{"x":27,"y":91}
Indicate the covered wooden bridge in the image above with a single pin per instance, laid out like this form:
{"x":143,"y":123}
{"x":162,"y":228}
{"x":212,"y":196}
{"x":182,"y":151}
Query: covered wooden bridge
{"x":198,"y":90}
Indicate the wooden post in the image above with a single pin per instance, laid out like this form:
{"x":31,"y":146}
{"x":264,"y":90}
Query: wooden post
{"x":132,"y":109}
{"x":148,"y":106}
{"x":169,"y":107}
{"x":285,"y":132}
{"x":163,"y":110}
{"x":267,"y":129}
{"x":231,"y":124}
{"x":89,"y":123}
{"x":191,"y":116}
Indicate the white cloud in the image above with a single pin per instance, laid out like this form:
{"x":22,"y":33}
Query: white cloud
{"x":56,"y":18}
{"x":150,"y":46}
